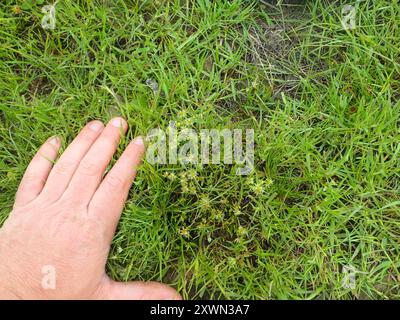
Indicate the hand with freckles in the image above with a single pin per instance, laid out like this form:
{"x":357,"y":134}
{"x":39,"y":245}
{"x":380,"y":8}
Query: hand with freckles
{"x":64,"y":219}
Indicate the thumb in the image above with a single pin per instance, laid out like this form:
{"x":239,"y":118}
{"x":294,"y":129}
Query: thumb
{"x":138,"y":290}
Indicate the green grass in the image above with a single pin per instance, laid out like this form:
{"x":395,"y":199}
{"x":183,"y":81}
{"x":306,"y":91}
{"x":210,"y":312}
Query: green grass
{"x":324,"y":104}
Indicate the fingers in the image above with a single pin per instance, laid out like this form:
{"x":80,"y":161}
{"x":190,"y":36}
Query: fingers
{"x":90,"y":171}
{"x":65,"y":167}
{"x":37,"y":172}
{"x":138,"y":290}
{"x":109,"y":199}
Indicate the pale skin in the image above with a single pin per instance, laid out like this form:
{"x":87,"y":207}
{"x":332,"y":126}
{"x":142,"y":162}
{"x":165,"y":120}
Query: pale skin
{"x":65,"y":215}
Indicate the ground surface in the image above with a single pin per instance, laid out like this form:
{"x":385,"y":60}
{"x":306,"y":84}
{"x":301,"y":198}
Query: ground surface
{"x":323,"y":102}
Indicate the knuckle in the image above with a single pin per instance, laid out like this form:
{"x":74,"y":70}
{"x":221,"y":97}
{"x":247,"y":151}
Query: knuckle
{"x":111,"y":139}
{"x":115,"y":181}
{"x":32,"y":181}
{"x":70,"y":201}
{"x":63,"y":167}
{"x":31,"y":177}
{"x":89,"y":168}
{"x":87,"y":136}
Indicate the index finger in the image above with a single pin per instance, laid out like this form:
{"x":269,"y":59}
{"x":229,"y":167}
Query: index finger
{"x":109,"y":199}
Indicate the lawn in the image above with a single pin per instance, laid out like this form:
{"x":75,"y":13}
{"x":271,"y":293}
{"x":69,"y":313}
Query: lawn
{"x":323,"y":100}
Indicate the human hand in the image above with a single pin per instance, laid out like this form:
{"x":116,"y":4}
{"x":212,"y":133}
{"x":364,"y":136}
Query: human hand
{"x":55,"y":243}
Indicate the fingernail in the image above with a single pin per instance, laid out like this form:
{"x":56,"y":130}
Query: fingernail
{"x":117,"y":122}
{"x":96,"y":126}
{"x":54,"y":141}
{"x":138,"y":141}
